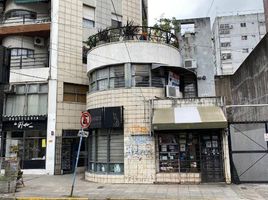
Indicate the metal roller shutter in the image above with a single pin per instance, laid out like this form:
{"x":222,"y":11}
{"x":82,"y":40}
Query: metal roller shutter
{"x":102,"y":147}
{"x":117,"y":149}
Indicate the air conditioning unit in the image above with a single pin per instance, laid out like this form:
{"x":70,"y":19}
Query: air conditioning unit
{"x":39,"y":41}
{"x":173,"y":92}
{"x":190,"y":64}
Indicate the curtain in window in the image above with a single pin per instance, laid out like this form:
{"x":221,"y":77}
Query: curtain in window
{"x":19,"y":108}
{"x":43,"y":105}
{"x":33,"y":100}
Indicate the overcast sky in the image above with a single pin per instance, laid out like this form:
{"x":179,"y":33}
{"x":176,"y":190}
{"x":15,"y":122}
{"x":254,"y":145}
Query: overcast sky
{"x":182,"y":9}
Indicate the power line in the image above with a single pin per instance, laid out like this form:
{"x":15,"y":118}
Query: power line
{"x":210,"y":7}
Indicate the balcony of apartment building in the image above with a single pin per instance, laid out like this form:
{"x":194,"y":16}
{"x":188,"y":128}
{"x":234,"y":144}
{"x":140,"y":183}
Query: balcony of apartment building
{"x":28,"y":17}
{"x":138,"y":56}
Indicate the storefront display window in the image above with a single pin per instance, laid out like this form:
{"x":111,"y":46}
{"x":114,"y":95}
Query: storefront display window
{"x":179,"y":153}
{"x":28,"y":146}
{"x":106,"y":151}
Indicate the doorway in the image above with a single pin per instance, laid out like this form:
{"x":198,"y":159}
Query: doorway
{"x":211,"y":158}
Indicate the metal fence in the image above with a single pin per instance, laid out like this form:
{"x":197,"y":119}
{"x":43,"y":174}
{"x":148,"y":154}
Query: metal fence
{"x":39,"y":18}
{"x":9,"y":168}
{"x":131,"y":32}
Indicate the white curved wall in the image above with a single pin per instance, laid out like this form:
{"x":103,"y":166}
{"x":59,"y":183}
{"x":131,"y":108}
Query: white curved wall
{"x":133,"y":52}
{"x":41,"y":8}
{"x":23,"y":42}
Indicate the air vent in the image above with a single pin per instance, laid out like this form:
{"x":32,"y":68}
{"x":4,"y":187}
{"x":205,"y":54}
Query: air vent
{"x":39,"y":41}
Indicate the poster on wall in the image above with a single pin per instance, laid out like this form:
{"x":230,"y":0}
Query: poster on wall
{"x":173,"y":79}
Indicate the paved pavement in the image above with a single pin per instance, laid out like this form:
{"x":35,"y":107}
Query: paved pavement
{"x":59,"y":187}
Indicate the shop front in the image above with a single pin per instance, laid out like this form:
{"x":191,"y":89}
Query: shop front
{"x":190,"y":144}
{"x":25,"y":138}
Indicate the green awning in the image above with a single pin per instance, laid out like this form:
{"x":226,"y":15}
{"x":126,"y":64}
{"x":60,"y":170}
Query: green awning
{"x":29,"y":1}
{"x":203,"y":117}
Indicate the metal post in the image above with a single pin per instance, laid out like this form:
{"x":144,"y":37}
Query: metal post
{"x":76,"y":163}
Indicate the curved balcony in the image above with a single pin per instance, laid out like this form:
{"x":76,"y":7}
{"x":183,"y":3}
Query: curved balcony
{"x":134,"y":33}
{"x":133,"y":44}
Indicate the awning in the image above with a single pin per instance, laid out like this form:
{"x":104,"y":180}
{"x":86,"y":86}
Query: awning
{"x":203,"y":117}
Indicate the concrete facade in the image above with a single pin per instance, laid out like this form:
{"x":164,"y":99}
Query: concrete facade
{"x":248,"y":86}
{"x":234,"y":38}
{"x":196,"y":46}
{"x":265,"y":5}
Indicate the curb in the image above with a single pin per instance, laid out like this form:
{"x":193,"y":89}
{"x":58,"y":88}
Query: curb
{"x":51,"y":198}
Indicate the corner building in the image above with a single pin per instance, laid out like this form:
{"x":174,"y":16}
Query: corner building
{"x":48,"y":82}
{"x":148,"y":123}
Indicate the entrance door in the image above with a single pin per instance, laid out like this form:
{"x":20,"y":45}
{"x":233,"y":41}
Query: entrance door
{"x":211,"y":158}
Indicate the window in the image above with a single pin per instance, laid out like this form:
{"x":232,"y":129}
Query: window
{"x":243,"y":24}
{"x":109,"y":77}
{"x":224,"y":31}
{"x":188,"y":28}
{"x":224,"y":26}
{"x":116,"y":24}
{"x":140,"y":75}
{"x":75,"y":92}
{"x":245,"y":50}
{"x":27,"y":100}
{"x":116,"y":21}
{"x":87,"y":23}
{"x":244,"y":37}
{"x":226,"y":56}
{"x":22,"y":52}
{"x":20,"y":14}
{"x":225,"y":44}
{"x":88,"y":16}
{"x":29,"y":146}
{"x":106,"y":151}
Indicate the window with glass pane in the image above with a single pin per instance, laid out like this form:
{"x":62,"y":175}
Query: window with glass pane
{"x":27,"y":100}
{"x":109,"y":77}
{"x":75,"y":92}
{"x":140,"y":75}
{"x":106,"y":151}
{"x":87,"y":23}
{"x":158,"y":78}
{"x":117,"y":77}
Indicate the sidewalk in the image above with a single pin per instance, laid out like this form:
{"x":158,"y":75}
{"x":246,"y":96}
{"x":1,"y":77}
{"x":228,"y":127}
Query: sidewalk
{"x":59,"y":187}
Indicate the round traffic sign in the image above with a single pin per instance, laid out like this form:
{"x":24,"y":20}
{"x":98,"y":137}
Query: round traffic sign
{"x":85,"y":119}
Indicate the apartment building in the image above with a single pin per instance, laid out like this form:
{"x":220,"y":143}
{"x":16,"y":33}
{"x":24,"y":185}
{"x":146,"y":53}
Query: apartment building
{"x":48,"y":82}
{"x":234,"y":38}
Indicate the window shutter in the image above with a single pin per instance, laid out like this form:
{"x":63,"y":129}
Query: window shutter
{"x":117,"y":149}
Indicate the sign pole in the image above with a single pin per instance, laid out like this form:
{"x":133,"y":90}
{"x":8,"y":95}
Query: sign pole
{"x":85,"y":121}
{"x":76,"y":163}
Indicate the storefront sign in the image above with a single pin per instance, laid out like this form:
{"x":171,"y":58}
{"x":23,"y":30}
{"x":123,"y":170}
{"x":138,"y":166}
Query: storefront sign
{"x":108,"y":117}
{"x":173,"y":79}
{"x":19,"y":123}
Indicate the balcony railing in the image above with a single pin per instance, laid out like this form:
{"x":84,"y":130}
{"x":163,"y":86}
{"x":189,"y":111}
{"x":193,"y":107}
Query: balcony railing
{"x":33,"y":61}
{"x":125,"y":33}
{"x":25,"y":19}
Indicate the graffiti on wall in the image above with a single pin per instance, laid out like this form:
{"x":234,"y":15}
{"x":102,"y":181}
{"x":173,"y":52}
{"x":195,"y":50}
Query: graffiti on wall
{"x":139,"y":147}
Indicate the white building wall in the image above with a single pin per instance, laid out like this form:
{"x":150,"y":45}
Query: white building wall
{"x":254,"y":30}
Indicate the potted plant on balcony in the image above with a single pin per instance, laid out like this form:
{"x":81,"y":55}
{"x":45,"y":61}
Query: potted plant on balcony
{"x":103,"y":36}
{"x":130,"y":30}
